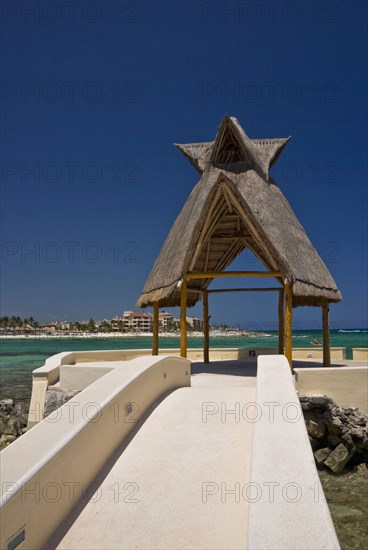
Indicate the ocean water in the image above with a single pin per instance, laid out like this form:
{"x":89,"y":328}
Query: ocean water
{"x":19,"y":357}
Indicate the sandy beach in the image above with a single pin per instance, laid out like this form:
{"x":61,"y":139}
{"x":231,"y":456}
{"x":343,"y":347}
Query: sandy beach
{"x":103,"y":335}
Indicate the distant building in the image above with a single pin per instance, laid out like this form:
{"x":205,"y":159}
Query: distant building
{"x":133,"y":322}
{"x":54,"y":326}
{"x":118,"y":324}
{"x":138,"y":322}
{"x":165,"y":320}
{"x":195,"y":323}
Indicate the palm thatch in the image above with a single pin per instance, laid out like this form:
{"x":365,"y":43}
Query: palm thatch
{"x":236,"y":205}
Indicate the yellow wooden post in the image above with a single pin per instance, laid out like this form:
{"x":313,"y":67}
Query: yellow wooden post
{"x":183,"y":319}
{"x":206,"y":336}
{"x":281,"y":321}
{"x":326,"y":334}
{"x":155,"y":329}
{"x":288,"y":324}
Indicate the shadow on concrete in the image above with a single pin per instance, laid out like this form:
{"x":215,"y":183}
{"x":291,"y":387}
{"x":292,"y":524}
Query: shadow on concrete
{"x":231,"y":368}
{"x":300,"y":364}
{"x":249,"y":368}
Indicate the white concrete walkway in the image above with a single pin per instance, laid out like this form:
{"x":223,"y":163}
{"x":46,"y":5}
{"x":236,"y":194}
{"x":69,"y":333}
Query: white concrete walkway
{"x":155,"y":494}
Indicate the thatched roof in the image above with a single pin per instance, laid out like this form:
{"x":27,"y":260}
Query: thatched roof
{"x":236,"y":205}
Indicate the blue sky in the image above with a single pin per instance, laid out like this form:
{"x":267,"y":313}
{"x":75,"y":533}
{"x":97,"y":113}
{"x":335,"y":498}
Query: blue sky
{"x":94,"y":94}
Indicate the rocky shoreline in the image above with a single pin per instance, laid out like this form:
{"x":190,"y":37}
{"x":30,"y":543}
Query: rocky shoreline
{"x":14,"y":416}
{"x":13,"y":421}
{"x":338,"y":435}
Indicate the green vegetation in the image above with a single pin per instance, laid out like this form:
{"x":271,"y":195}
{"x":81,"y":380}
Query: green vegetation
{"x":85,"y":327}
{"x":105,"y":326}
{"x":17,"y":322}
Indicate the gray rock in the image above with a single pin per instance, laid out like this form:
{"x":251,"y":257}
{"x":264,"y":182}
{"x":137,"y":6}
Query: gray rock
{"x":13,"y":419}
{"x":358,"y":420}
{"x":5,"y":440}
{"x":21,"y":410}
{"x":316,"y":429}
{"x":333,"y":426}
{"x":337,"y":422}
{"x":321,"y":455}
{"x":320,"y":400}
{"x":333,"y":440}
{"x":6,"y":405}
{"x":338,"y":459}
{"x":56,"y":398}
{"x":348,"y":442}
{"x":12,"y":427}
{"x":2,"y":425}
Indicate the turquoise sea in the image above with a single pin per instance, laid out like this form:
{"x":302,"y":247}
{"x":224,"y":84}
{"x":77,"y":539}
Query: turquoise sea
{"x":18,"y":357}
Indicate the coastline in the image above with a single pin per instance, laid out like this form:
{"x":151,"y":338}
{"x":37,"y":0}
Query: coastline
{"x":301,"y":334}
{"x":213,"y":334}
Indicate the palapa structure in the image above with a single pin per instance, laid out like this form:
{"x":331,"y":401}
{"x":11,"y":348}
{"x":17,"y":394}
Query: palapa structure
{"x":236,"y":205}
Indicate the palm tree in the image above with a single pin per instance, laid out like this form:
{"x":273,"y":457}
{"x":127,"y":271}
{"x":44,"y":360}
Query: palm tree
{"x":13,"y":322}
{"x":91,"y":326}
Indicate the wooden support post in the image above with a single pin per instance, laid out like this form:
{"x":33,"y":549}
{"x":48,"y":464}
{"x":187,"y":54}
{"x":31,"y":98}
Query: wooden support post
{"x":155,"y":329}
{"x":206,"y":335}
{"x":183,"y":319}
{"x":288,"y":325}
{"x":326,"y":334}
{"x":281,"y":321}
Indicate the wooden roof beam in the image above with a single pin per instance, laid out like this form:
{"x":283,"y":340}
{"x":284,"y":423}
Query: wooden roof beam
{"x":226,"y":274}
{"x":270,"y":289}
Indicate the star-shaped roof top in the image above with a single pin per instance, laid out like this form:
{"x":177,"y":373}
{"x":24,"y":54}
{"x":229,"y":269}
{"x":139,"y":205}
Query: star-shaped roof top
{"x":233,"y":146}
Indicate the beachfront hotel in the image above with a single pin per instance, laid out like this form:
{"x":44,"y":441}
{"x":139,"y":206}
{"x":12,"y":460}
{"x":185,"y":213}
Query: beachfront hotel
{"x":133,"y":322}
{"x":166,"y":320}
{"x":179,"y":448}
{"x":195,"y":323}
{"x":143,"y":322}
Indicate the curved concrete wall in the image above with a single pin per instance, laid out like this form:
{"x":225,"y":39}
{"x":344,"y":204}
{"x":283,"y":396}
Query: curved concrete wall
{"x":60,"y":366}
{"x":42,"y":478}
{"x":287,"y":508}
{"x":77,"y":369}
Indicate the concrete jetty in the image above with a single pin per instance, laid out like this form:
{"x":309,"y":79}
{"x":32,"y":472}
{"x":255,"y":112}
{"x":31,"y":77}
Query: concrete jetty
{"x":159,"y":452}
